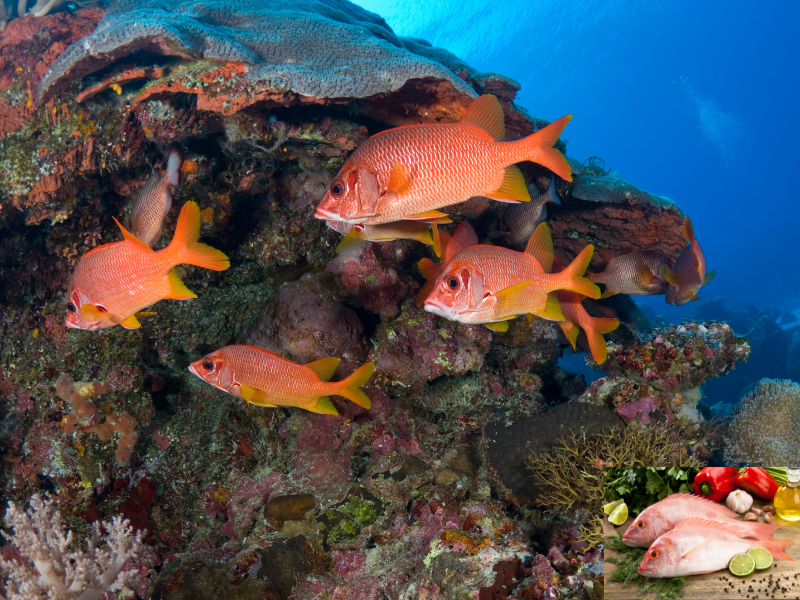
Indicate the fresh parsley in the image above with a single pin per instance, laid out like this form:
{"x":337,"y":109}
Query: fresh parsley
{"x":641,"y":487}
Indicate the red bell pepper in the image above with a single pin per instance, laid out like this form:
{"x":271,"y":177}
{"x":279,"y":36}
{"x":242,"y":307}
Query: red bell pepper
{"x":756,"y":481}
{"x":715,"y":483}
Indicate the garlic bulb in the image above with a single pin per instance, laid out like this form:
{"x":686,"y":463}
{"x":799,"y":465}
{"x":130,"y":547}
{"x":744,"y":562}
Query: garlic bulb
{"x":740,"y":501}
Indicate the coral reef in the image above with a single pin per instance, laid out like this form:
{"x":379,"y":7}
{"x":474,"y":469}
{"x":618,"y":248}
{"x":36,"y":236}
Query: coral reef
{"x":763,"y":430}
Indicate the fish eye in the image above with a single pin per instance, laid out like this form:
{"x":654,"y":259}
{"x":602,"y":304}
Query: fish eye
{"x":208,"y":365}
{"x":337,"y":189}
{"x":453,"y":283}
{"x":654,"y":555}
{"x":71,"y":307}
{"x":640,"y":525}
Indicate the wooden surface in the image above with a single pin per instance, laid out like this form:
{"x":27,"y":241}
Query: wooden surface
{"x":710,"y":586}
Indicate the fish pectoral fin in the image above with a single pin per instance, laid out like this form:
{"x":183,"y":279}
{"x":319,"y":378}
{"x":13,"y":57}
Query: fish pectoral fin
{"x":571,"y":331}
{"x":131,"y":322}
{"x":487,"y":113}
{"x":669,"y":274}
{"x":400,"y":179}
{"x":132,"y":238}
{"x":352,"y":239}
{"x":324,"y":406}
{"x":513,"y":188}
{"x":709,"y":277}
{"x":255,"y":396}
{"x":500,"y":326}
{"x":695,"y":555}
{"x":90,"y":312}
{"x":428,"y":268}
{"x":552,"y":309}
{"x":324,"y":367}
{"x":540,"y":246}
{"x":508,"y":299}
{"x":178,"y":290}
{"x":431,"y":216}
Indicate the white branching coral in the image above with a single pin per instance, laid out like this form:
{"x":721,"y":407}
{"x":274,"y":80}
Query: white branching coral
{"x":63,"y":571}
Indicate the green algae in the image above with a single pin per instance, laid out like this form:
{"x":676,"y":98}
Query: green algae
{"x":350,"y":518}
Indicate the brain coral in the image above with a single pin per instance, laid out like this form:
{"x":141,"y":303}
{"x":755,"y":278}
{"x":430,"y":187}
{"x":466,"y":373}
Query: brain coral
{"x":318,"y":48}
{"x":764,"y":428}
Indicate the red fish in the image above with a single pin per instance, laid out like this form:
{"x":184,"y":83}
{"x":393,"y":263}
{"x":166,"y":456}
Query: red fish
{"x":688,"y":274}
{"x":409,"y":172}
{"x":490,"y":285}
{"x":115,"y":282}
{"x":154,"y":201}
{"x":266,"y":379}
{"x":357,"y":235}
{"x":634,"y":273}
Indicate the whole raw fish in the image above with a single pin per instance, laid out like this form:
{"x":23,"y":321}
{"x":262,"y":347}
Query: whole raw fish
{"x":266,"y":379}
{"x":688,"y":274}
{"x":662,"y":516}
{"x":697,"y":546}
{"x":115,"y":282}
{"x":154,"y":201}
{"x":490,"y":285}
{"x":522,"y":219}
{"x":357,"y":235}
{"x":409,"y":172}
{"x":634,"y":273}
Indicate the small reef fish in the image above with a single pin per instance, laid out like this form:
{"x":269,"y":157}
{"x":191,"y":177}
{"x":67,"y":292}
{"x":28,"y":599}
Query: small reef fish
{"x":154,"y":201}
{"x":410,"y":171}
{"x":697,"y":546}
{"x":113,"y":283}
{"x":688,"y":274}
{"x":266,"y":379}
{"x":522,"y":219}
{"x":490,"y":284}
{"x":656,"y":520}
{"x":357,"y":235}
{"x":635,"y":273}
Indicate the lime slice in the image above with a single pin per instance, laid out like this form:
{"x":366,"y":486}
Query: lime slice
{"x":742,"y":565}
{"x":762,"y":556}
{"x":619,"y":515}
{"x":612,"y":505}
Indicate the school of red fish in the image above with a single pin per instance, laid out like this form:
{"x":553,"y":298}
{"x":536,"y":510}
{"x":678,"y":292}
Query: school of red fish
{"x":392,"y":187}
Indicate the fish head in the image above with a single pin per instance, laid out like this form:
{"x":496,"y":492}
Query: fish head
{"x":82,"y":313}
{"x":459,"y":291}
{"x":352,"y":197}
{"x":661,"y":559}
{"x":215,"y":369}
{"x":644,"y":530}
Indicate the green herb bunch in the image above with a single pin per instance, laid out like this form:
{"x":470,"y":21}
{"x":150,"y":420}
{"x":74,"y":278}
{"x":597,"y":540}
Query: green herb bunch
{"x":641,"y":487}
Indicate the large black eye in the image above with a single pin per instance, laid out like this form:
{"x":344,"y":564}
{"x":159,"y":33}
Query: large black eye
{"x":453,"y":283}
{"x":654,"y":555}
{"x":208,"y":365}
{"x":71,"y":307}
{"x":337,"y":189}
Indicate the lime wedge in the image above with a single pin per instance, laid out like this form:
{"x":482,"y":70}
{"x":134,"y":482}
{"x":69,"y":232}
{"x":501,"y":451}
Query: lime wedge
{"x":762,"y":556}
{"x":742,"y":565}
{"x":619,"y":515}
{"x":612,"y":505}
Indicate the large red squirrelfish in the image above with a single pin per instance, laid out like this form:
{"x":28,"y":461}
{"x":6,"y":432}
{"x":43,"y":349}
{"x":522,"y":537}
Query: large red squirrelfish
{"x":355,"y":236}
{"x":410,"y":171}
{"x":697,"y":546}
{"x":657,"y":519}
{"x":113,"y":283}
{"x":266,"y":379}
{"x":634,"y":273}
{"x":490,"y":285}
{"x":154,"y":201}
{"x":688,"y":274}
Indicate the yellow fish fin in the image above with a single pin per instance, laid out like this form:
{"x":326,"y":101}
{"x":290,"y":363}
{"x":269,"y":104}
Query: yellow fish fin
{"x":540,"y":246}
{"x":487,"y":113}
{"x":91,"y":313}
{"x":436,"y":240}
{"x":144,"y":313}
{"x":500,"y":326}
{"x":571,"y":331}
{"x":709,"y":277}
{"x":132,"y":238}
{"x":509,"y":298}
{"x":355,"y":236}
{"x":350,"y":387}
{"x":178,"y":290}
{"x":669,"y":274}
{"x":324,"y":406}
{"x":324,"y":367}
{"x":131,"y":323}
{"x":255,"y":396}
{"x":687,"y":231}
{"x":513,"y":188}
{"x":552,"y":309}
{"x":399,"y":179}
{"x":531,"y":318}
{"x":431,"y":216}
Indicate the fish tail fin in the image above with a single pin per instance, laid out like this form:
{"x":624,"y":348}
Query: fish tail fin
{"x":574,"y":275}
{"x":186,"y":247}
{"x":594,"y":333}
{"x":350,"y":388}
{"x":174,"y":163}
{"x":776,"y":548}
{"x":552,"y":193}
{"x":541,"y":151}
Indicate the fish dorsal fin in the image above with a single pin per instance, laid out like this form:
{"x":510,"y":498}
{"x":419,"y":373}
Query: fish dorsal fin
{"x":132,"y":238}
{"x":131,"y":322}
{"x":485,"y":112}
{"x":552,"y":309}
{"x":540,"y":246}
{"x":571,"y":331}
{"x":669,"y":274}
{"x":324,"y":406}
{"x":500,"y":326}
{"x":509,"y":299}
{"x":687,"y":231}
{"x":696,"y":522}
{"x":513,"y":188}
{"x":355,"y":237}
{"x":399,"y":178}
{"x":178,"y":290}
{"x":709,"y":277}
{"x":254,"y":395}
{"x":428,"y":268}
{"x":463,"y":237}
{"x":431,"y":216}
{"x":687,"y":497}
{"x":324,"y":367}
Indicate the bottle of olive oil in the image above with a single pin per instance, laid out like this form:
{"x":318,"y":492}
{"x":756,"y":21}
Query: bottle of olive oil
{"x":787,"y":498}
